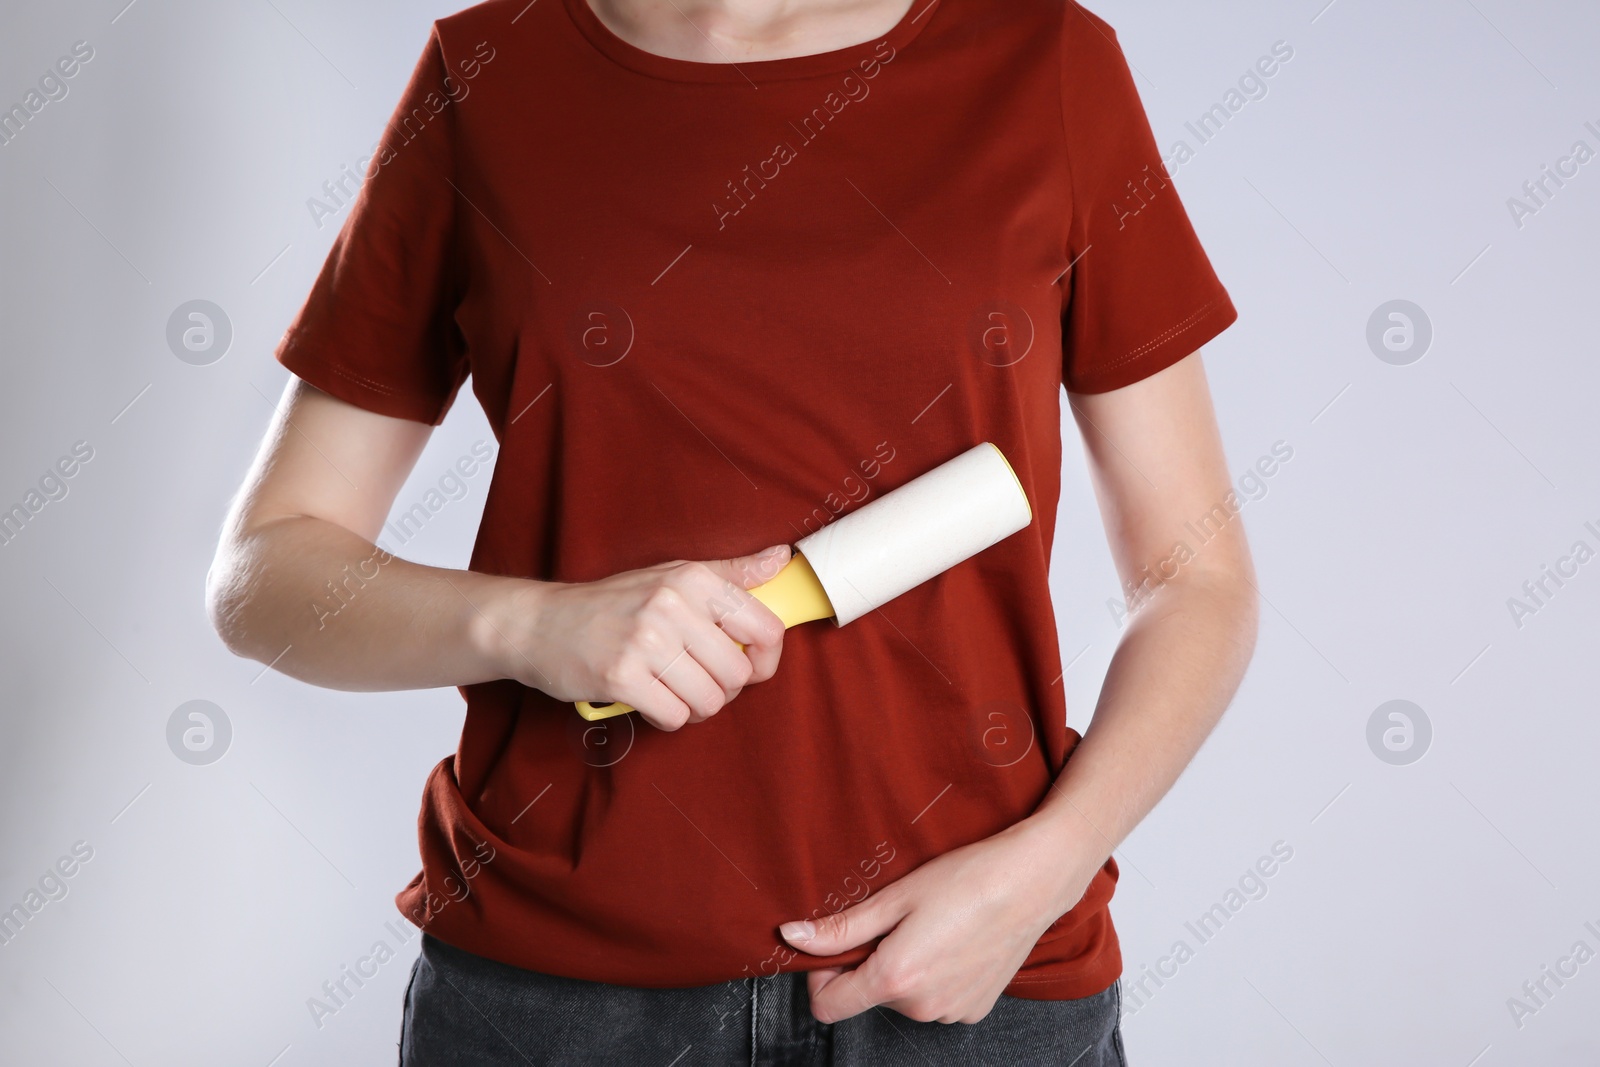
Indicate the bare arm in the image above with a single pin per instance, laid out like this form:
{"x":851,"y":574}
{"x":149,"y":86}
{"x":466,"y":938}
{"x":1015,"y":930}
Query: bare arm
{"x":960,"y":926}
{"x":1157,"y":463}
{"x":298,"y":583}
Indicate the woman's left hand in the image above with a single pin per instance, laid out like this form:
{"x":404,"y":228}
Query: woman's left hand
{"x":959,"y":927}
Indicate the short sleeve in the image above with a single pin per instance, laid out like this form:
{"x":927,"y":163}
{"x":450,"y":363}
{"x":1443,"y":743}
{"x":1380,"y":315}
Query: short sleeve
{"x":1140,"y":293}
{"x":378,"y":329}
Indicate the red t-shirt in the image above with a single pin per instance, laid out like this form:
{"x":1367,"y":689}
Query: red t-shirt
{"x":708,"y":308}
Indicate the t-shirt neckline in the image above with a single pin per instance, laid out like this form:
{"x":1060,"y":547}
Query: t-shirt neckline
{"x":835,"y":61}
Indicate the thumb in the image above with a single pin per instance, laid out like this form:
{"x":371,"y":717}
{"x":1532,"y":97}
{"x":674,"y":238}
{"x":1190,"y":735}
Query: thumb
{"x":844,"y":930}
{"x":747,"y":572}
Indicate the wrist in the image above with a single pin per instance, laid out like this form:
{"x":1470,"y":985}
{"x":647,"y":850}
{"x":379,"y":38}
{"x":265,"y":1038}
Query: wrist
{"x":503,"y":611}
{"x":1068,"y":853}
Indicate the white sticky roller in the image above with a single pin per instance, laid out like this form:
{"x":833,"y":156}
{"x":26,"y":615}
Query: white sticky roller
{"x":916,"y":532}
{"x":885,"y":548}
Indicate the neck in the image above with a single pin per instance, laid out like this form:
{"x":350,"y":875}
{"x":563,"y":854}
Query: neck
{"x":733,"y":31}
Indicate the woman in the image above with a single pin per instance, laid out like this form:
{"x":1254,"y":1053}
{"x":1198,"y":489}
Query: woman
{"x":720,"y":272}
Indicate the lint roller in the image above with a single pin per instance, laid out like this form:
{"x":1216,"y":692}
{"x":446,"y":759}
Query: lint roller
{"x":865,"y":559}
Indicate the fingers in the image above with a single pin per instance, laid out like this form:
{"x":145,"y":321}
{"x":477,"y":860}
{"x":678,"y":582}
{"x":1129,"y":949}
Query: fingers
{"x":675,"y":689}
{"x":685,"y":662}
{"x":694,"y":668}
{"x":747,"y":572}
{"x":835,"y":994}
{"x":719,"y":656}
{"x":743,"y":617}
{"x":720,"y":589}
{"x":655,"y":702}
{"x":860,"y":989}
{"x":893,"y":978}
{"x":847,"y":929}
{"x":752,"y":624}
{"x":849,"y":992}
{"x":818,"y":979}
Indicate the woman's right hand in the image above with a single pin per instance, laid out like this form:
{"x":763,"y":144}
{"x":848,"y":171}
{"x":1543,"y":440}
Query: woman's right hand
{"x":660,"y":638}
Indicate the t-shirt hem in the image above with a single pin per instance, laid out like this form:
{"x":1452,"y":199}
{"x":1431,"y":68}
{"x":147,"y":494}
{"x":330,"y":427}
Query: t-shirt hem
{"x":1066,"y":987}
{"x":1178,"y":340}
{"x":1091,"y":974}
{"x":359,"y":390}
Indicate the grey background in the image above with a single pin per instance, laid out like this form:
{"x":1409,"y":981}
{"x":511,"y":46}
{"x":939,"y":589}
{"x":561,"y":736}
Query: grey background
{"x":1377,"y":166}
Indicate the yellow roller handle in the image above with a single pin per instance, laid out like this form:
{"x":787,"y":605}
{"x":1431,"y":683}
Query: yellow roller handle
{"x":794,"y":594}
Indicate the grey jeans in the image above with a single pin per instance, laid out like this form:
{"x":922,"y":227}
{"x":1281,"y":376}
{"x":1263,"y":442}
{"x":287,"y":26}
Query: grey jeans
{"x":462,"y":1009}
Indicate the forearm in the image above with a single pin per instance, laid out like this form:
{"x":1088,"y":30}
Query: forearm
{"x":1172,"y":676}
{"x":964,"y":922}
{"x":326,"y":606}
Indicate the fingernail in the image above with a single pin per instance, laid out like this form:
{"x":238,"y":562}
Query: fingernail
{"x":775,"y":551}
{"x":804,"y":930}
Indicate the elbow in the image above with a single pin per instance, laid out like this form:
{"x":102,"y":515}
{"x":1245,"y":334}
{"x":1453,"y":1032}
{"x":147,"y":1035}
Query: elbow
{"x":227,"y":601}
{"x":1223,"y":591}
{"x":1249,"y":624}
{"x":1244,"y":604}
